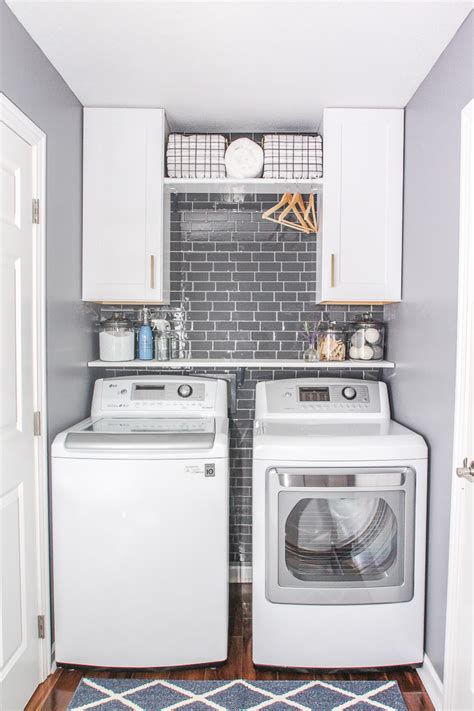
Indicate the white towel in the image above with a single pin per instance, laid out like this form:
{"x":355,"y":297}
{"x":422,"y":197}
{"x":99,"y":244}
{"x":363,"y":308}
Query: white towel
{"x":244,"y":159}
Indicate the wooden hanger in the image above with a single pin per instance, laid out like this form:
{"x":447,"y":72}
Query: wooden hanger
{"x":305,"y":215}
{"x":298,"y":208}
{"x":271,"y":211}
{"x":289,"y":202}
{"x":310,"y":214}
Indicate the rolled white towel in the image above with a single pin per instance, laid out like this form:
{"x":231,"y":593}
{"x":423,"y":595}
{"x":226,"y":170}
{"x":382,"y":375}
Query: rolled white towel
{"x":372,"y":335}
{"x":357,"y":338}
{"x":244,"y":159}
{"x":366,"y":353}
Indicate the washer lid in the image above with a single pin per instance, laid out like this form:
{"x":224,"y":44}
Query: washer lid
{"x":143,"y":433}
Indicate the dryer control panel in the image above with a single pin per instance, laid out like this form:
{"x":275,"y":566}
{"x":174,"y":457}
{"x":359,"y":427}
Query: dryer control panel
{"x":322,"y":397}
{"x":159,"y":395}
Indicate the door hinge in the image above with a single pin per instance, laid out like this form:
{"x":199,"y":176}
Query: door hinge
{"x":41,"y":627}
{"x":35,"y":211}
{"x":36,"y":423}
{"x":467,"y":470}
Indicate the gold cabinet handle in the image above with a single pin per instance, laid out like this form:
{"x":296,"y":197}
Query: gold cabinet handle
{"x":152,"y":271}
{"x":332,"y":270}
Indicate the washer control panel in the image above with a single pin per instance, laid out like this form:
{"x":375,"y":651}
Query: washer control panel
{"x":321,"y":396}
{"x":153,"y":395}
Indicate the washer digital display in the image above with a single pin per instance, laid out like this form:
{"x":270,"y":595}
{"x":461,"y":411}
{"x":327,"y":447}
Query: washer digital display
{"x":314,"y":394}
{"x":148,"y":391}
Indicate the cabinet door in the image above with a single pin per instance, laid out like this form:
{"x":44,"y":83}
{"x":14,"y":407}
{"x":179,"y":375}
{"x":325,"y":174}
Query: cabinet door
{"x":360,"y":255}
{"x":123,"y":247}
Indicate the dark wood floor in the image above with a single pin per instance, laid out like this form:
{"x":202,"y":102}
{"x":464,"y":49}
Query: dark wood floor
{"x":56,"y":692}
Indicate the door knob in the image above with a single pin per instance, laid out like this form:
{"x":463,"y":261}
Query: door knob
{"x":466,"y":471}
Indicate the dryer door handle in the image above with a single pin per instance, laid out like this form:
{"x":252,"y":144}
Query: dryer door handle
{"x":344,"y":477}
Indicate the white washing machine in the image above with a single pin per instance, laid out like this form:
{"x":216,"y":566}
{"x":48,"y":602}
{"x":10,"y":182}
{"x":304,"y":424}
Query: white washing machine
{"x":140,"y":525}
{"x":339,"y":526}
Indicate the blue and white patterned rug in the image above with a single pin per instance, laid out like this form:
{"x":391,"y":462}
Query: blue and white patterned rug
{"x":158,"y":695}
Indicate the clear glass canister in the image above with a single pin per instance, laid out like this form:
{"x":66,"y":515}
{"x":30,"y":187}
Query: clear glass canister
{"x":366,"y":339}
{"x":175,"y":345}
{"x":161,"y":339}
{"x":331,"y":340}
{"x":117,"y":339}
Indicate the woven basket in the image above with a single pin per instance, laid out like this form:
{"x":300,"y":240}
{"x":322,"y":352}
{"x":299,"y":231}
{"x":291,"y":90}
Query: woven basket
{"x":196,"y":156}
{"x":292,"y":156}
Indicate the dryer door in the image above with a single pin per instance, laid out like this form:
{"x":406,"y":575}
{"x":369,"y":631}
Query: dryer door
{"x":340,"y":536}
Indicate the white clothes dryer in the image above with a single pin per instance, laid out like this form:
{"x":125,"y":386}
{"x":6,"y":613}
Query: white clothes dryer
{"x":140,"y":525}
{"x":339,"y":527}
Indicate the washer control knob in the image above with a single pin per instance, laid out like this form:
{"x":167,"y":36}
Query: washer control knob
{"x":287,"y":394}
{"x":185,"y":391}
{"x":349,"y":393}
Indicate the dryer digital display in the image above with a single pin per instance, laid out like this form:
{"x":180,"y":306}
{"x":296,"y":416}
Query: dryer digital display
{"x":314,"y":395}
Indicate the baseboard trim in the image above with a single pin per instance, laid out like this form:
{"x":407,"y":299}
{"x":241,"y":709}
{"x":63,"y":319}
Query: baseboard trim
{"x":432,"y":683}
{"x":240,"y":573}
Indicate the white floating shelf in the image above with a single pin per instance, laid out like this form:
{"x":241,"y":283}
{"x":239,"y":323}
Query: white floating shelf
{"x":245,"y":185}
{"x":247,"y":363}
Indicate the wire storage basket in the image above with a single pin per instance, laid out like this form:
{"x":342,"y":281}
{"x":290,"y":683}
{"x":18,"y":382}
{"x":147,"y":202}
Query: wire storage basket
{"x":196,"y":156}
{"x":292,"y":156}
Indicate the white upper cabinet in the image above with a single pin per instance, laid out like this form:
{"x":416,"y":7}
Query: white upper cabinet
{"x":125,"y":241}
{"x":360,"y":250}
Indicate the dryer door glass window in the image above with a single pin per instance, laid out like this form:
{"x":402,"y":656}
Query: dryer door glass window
{"x":342,"y":539}
{"x":338,"y":536}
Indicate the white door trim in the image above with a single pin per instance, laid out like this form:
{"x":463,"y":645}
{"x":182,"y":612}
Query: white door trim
{"x":33,"y":136}
{"x":464,"y":374}
{"x":432,"y":683}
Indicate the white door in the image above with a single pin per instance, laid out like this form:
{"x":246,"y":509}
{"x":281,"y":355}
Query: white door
{"x":459,"y":669}
{"x":20,"y":652}
{"x":361,"y":243}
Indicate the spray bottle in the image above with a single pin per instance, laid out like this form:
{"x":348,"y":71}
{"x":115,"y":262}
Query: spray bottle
{"x":145,"y":338}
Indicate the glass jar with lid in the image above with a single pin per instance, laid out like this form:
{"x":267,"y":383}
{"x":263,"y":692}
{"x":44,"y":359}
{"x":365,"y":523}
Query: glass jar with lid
{"x":366,"y":338}
{"x":331,"y":339}
{"x":161,"y":339}
{"x":117,"y":339}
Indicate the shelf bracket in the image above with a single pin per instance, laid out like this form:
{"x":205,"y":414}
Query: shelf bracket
{"x":240,"y":377}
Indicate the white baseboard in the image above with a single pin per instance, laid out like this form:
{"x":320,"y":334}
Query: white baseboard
{"x":432,"y":683}
{"x":240,"y":573}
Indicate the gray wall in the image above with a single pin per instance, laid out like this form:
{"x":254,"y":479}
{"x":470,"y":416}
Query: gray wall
{"x":29,"y":80}
{"x":423,"y":330}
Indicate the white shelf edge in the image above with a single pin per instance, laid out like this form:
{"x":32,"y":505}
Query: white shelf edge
{"x":249,"y":185}
{"x":227,"y":363}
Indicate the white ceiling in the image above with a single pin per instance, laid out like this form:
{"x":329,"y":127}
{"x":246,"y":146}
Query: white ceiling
{"x":248,"y":65}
